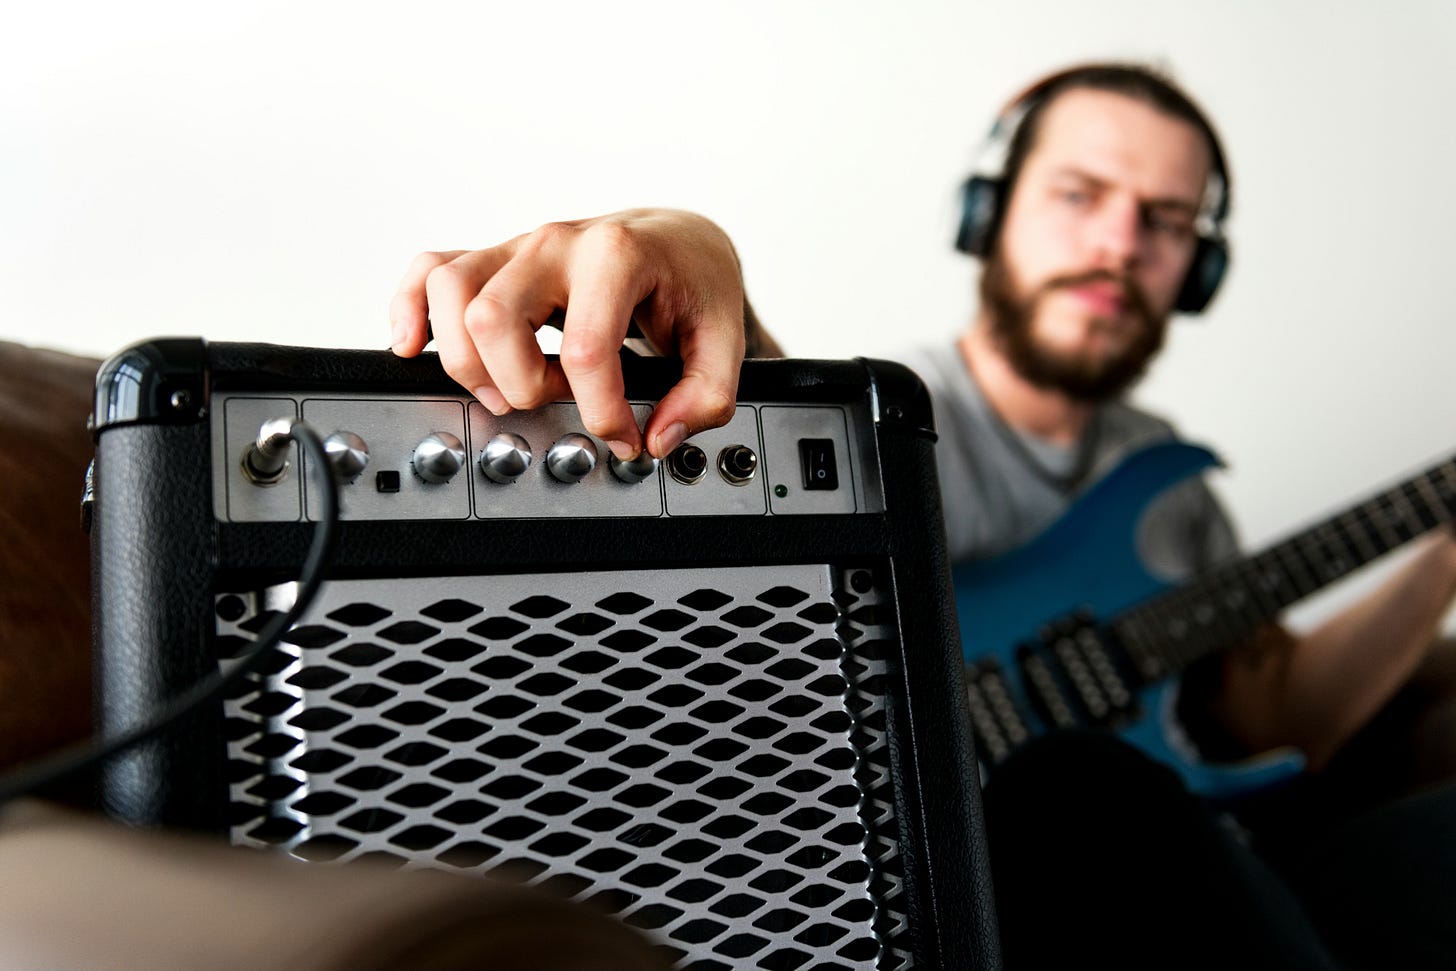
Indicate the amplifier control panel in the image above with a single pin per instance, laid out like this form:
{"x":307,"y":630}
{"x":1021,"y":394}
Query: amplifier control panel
{"x":401,"y":457}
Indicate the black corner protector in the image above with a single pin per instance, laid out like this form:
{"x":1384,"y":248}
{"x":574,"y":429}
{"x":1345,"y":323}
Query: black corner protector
{"x":161,"y":381}
{"x":899,"y":397}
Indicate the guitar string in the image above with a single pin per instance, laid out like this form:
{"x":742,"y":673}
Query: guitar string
{"x":1296,"y":552}
{"x":1181,"y":605}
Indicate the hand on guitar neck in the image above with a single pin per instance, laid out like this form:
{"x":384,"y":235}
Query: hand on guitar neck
{"x":1315,"y":691}
{"x":1072,"y":630}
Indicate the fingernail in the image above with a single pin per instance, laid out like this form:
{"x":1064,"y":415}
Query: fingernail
{"x":671,"y":437}
{"x":623,"y":451}
{"x":396,"y":332}
{"x":492,"y":399}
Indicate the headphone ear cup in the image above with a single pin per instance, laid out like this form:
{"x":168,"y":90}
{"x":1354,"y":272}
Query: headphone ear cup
{"x":980,"y":215}
{"x":1210,"y":261}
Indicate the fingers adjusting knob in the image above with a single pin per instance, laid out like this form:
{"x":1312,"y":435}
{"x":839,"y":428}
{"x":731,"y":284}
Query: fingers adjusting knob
{"x":505,"y":457}
{"x":439,"y":457}
{"x":572,"y":457}
{"x":633,"y":470}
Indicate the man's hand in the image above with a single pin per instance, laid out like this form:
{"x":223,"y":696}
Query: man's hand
{"x":674,"y":272}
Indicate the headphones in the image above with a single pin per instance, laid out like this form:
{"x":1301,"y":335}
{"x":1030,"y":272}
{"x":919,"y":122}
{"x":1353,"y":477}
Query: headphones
{"x":983,"y":196}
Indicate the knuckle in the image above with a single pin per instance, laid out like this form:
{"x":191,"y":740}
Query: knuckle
{"x":604,"y":427}
{"x":718,"y":406}
{"x":445,"y":277}
{"x":426,"y":261}
{"x":459,"y":363}
{"x":721,"y":409}
{"x":586,"y":356}
{"x":526,"y":398}
{"x":611,"y":238}
{"x":549,"y":234}
{"x":599,"y":429}
{"x":485,"y":317}
{"x":526,"y":391}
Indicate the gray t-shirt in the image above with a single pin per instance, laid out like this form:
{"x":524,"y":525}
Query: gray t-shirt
{"x":1000,"y":488}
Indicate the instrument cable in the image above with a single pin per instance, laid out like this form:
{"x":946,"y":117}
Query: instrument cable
{"x":84,"y":755}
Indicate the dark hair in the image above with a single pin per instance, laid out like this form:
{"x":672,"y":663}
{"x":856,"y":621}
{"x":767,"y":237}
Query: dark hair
{"x":1134,"y":81}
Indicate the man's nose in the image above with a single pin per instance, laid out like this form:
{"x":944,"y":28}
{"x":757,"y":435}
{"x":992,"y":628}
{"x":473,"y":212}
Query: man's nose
{"x":1117,"y":234}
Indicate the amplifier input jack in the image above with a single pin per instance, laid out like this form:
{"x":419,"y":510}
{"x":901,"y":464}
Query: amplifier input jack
{"x":737,"y":464}
{"x":687,"y":464}
{"x":265,"y":462}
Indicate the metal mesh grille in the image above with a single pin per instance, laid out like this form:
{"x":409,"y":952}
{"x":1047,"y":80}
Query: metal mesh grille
{"x":701,"y":751}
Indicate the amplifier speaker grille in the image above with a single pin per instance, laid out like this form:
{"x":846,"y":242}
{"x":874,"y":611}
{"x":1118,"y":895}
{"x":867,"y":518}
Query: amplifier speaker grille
{"x":699,"y":750}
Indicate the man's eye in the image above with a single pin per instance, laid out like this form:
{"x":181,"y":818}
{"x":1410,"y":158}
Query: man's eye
{"x":1173,"y":227}
{"x":1074,"y":197}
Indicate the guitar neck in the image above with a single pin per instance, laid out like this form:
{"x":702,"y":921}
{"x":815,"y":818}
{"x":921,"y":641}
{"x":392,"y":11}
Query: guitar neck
{"x":1223,"y":607}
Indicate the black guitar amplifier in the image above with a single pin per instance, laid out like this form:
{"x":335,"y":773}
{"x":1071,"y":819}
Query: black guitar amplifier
{"x":723,"y":700}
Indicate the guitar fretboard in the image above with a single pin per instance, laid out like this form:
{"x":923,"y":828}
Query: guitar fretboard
{"x":1227,"y":604}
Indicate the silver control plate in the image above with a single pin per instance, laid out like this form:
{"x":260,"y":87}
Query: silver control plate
{"x":393,"y":425}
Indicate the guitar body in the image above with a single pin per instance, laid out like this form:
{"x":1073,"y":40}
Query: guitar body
{"x":1078,"y":574}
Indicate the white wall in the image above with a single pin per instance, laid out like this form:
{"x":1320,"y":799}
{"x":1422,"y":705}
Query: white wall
{"x":265,"y":172}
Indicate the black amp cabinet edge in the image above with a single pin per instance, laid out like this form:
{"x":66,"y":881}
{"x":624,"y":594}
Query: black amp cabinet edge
{"x":936,"y":722}
{"x":145,"y":594}
{"x":169,"y":380}
{"x":152,"y":429}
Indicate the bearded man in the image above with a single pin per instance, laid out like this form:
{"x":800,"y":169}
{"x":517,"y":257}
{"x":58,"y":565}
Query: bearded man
{"x":1107,"y":220}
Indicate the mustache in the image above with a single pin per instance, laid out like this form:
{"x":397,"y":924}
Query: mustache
{"x":1131,"y":292}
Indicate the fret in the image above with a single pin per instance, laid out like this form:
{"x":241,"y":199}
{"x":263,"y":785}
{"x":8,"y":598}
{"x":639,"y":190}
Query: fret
{"x":1304,"y":582}
{"x":1353,"y":527}
{"x":1408,"y":516}
{"x":1168,"y":632}
{"x":1239,"y":598}
{"x":1269,"y":583}
{"x":1432,"y":498}
{"x":1162,"y":639}
{"x":1333,"y":554}
{"x":1334,"y":559}
{"x":1192,"y":621}
{"x":1182,"y":639}
{"x":1381,"y":513}
{"x":1446,"y":486}
{"x":1132,"y":635}
{"x":1422,"y":513}
{"x":1214,"y":630}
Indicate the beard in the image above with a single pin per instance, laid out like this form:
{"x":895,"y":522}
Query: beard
{"x":1083,"y":377}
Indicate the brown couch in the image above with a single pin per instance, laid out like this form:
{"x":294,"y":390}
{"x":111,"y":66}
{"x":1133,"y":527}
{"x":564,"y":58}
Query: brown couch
{"x":81,"y":892}
{"x":45,"y":632}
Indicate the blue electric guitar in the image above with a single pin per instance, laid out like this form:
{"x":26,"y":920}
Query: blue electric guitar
{"x":1071,"y":630}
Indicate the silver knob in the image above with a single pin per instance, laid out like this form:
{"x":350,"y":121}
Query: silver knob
{"x":438,"y":457}
{"x":348,"y":455}
{"x":571,"y":458}
{"x":505,"y":457}
{"x":634,"y":470}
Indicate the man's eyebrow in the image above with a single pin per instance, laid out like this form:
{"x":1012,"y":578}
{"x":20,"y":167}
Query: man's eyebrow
{"x":1166,"y":203}
{"x":1177,"y":205}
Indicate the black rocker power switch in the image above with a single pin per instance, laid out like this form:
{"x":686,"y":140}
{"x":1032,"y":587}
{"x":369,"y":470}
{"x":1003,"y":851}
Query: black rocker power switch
{"x":816,"y":456}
